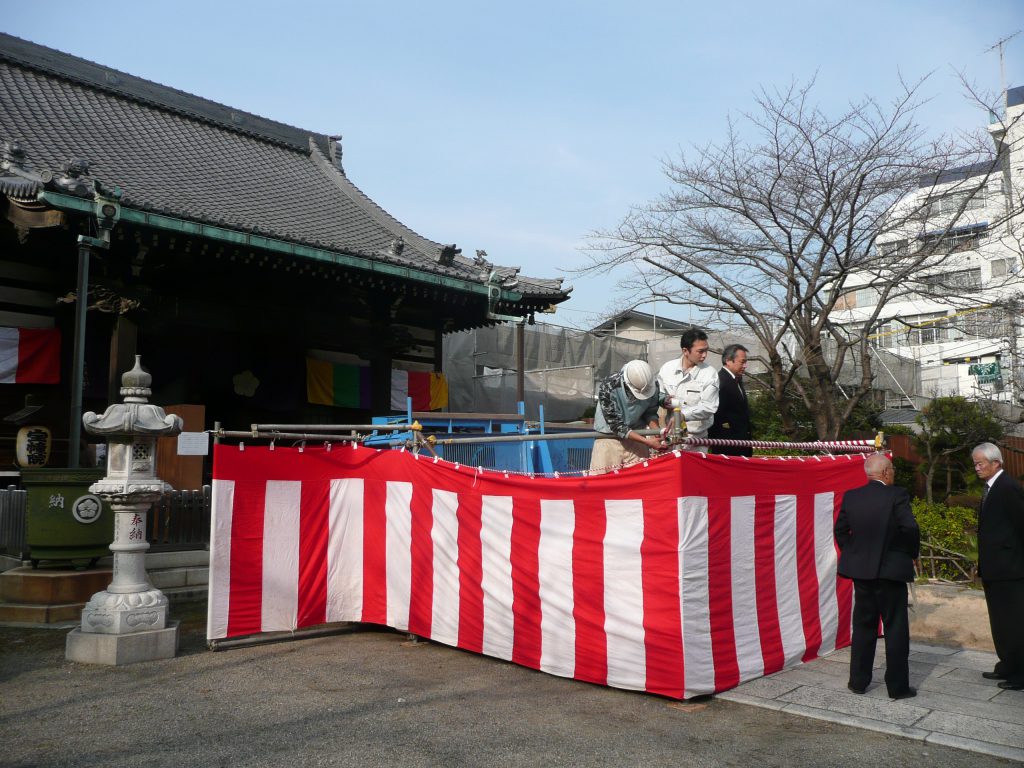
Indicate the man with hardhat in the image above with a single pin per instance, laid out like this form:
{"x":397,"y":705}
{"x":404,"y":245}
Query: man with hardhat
{"x":626,"y":401}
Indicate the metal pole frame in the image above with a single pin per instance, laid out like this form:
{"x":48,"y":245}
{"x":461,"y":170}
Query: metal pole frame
{"x":78,"y":359}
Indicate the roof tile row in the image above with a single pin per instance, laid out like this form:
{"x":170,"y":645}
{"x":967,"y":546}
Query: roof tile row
{"x":170,"y":156}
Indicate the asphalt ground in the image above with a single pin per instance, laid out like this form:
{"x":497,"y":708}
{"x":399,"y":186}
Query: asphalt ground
{"x":369,"y":697}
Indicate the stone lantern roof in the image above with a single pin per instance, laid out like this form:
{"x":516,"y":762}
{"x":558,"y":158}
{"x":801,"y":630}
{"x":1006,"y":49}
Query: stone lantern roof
{"x":136,"y":415}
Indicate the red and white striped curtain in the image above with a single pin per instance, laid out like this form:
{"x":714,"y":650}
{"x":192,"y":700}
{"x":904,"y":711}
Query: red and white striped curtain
{"x":683,"y":577}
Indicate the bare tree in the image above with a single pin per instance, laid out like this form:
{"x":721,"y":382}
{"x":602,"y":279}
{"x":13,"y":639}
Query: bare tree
{"x":776,"y":226}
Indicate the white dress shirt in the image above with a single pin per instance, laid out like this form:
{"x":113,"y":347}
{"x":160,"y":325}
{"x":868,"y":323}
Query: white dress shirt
{"x":697,"y":391}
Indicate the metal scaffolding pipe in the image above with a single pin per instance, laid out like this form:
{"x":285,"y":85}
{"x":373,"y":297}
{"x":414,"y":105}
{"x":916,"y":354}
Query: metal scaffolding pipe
{"x":490,"y":438}
{"x":315,"y":437}
{"x":337,"y":427}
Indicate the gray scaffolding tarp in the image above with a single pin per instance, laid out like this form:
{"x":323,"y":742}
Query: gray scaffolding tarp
{"x":561,"y":368}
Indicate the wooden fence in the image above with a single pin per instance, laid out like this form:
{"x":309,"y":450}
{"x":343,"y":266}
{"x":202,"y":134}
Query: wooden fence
{"x":902,"y":446}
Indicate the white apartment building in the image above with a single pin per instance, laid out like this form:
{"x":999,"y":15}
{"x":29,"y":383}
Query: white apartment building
{"x":955,"y":316}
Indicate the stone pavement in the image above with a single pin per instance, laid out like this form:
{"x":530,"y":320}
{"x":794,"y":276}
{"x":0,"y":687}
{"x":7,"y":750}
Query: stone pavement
{"x":954,"y":705}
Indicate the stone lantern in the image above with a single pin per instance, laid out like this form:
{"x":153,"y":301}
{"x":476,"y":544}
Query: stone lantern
{"x":127,"y":622}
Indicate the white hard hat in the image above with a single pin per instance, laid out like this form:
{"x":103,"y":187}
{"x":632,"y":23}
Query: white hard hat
{"x":638,"y":377}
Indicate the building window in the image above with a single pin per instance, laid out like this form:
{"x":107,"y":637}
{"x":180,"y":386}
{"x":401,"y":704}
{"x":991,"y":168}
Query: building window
{"x":968,"y":200}
{"x":865,"y":296}
{"x":1003,"y":267}
{"x":953,"y":241}
{"x":885,"y":335}
{"x":942,"y":283}
{"x":984,"y":324}
{"x":925,"y":329}
{"x":897,"y":249}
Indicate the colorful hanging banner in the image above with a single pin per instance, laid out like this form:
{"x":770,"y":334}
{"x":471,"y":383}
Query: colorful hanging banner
{"x":428,"y":390}
{"x":338,"y":384}
{"x":29,"y":356}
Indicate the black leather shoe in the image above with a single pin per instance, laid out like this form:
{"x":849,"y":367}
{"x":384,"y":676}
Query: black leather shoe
{"x":855,"y":689}
{"x":907,"y":694}
{"x":1007,"y":685}
{"x":993,"y":676}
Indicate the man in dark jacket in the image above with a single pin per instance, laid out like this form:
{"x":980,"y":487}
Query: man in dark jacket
{"x":732,"y":419}
{"x":879,"y":540}
{"x":1001,"y":564}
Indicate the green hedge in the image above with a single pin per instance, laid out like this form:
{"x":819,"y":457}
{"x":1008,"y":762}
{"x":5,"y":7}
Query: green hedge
{"x":953,"y":528}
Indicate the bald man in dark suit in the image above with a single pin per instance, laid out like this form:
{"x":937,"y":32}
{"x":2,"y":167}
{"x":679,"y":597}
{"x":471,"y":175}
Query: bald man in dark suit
{"x":879,"y":540}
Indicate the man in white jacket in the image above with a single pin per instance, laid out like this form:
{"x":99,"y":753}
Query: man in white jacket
{"x":693,"y":383}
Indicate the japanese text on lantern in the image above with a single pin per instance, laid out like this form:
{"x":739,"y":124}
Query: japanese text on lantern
{"x":136,"y":532}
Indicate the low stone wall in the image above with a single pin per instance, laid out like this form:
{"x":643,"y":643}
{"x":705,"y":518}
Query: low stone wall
{"x":950,"y":615}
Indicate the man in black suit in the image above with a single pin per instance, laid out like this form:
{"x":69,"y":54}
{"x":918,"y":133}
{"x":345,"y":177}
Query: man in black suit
{"x":732,"y":419}
{"x":1001,"y":563}
{"x":879,"y":540}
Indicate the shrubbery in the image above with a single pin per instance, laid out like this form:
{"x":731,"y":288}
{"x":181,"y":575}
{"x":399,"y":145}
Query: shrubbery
{"x":952,"y":528}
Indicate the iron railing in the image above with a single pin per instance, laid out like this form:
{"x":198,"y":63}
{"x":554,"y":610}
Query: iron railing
{"x":180,"y":520}
{"x":12,"y":522}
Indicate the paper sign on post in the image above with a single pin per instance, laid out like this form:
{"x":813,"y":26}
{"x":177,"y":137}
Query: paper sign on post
{"x":193,"y":444}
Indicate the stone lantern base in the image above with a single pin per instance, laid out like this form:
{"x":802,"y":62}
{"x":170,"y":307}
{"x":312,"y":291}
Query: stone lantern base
{"x":117,"y":650}
{"x":120,"y":613}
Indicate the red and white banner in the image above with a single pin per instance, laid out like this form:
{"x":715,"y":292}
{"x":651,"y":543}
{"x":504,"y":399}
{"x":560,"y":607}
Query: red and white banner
{"x":29,"y":356}
{"x":683,"y":577}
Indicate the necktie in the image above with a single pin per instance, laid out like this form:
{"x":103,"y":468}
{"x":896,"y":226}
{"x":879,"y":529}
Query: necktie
{"x":984,"y":494}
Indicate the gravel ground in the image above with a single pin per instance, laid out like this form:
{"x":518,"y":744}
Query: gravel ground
{"x":369,"y":697}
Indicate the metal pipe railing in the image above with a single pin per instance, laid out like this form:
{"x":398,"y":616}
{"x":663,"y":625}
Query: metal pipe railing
{"x":330,"y":432}
{"x":414,"y":427}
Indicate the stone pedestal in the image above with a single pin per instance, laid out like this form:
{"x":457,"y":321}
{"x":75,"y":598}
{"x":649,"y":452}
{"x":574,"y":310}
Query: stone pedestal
{"x":117,"y":650}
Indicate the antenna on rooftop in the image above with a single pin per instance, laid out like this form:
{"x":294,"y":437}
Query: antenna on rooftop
{"x":1002,"y":66}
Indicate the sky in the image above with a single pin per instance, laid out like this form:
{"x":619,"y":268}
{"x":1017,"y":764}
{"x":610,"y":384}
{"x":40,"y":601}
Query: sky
{"x":521,"y":129}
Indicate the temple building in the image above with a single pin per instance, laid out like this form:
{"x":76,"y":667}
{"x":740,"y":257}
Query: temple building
{"x":230,"y":251}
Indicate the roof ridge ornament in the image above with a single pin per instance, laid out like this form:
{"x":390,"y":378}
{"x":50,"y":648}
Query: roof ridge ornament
{"x":335,"y":151}
{"x":72,"y":179}
{"x":446,"y":256}
{"x":13,"y":160}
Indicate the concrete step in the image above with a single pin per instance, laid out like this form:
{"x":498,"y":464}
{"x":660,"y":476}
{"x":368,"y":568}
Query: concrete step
{"x":188,"y":594}
{"x":166,"y":578}
{"x":156,"y":560}
{"x":55,"y":597}
{"x":38,"y":613}
{"x":46,"y":586}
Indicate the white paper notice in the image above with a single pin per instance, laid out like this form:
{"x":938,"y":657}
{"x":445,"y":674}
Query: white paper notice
{"x":193,"y":444}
